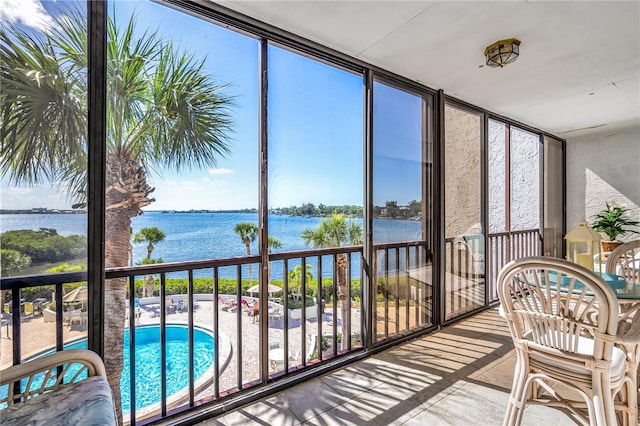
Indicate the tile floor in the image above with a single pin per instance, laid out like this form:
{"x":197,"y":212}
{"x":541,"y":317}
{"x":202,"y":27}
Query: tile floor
{"x":460,"y":375}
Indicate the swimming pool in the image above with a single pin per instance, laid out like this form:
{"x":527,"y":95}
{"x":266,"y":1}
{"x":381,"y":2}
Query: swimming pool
{"x":148,"y":361}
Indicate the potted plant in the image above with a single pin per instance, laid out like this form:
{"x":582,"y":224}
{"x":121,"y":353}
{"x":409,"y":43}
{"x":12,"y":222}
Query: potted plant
{"x":613,"y":221}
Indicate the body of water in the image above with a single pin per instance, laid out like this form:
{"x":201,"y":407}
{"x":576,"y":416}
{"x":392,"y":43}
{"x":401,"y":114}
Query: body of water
{"x":194,"y":236}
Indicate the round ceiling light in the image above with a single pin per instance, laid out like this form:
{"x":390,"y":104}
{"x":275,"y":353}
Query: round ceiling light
{"x":502,"y":52}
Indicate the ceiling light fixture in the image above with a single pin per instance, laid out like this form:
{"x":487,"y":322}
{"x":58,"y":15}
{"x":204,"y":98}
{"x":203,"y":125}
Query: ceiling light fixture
{"x":502,"y":52}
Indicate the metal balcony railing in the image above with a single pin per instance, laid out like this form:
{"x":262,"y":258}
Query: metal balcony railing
{"x":471,"y":271}
{"x":316,"y":318}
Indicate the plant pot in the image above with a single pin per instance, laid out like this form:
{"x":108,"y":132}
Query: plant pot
{"x":610,"y":245}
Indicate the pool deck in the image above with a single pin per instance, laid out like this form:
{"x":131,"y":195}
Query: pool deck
{"x":38,"y":335}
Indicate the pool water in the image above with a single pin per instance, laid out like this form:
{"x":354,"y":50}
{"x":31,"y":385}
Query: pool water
{"x":147,"y":363}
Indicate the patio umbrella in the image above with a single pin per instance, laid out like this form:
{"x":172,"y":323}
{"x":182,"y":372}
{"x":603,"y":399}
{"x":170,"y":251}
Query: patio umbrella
{"x":270,"y":289}
{"x":79,"y":294}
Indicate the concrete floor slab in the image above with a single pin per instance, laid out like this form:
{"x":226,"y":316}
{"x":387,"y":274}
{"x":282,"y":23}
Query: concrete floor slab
{"x":460,"y":375}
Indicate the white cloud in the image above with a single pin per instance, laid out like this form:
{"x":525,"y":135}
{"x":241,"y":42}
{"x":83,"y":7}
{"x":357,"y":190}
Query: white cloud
{"x":25,"y":198}
{"x":30,"y":13}
{"x":221,"y":171}
{"x":16,"y":190}
{"x":189,"y":182}
{"x":206,"y":179}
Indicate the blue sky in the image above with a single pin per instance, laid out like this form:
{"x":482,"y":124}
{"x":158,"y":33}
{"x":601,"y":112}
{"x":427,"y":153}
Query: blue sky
{"x":315,"y":125}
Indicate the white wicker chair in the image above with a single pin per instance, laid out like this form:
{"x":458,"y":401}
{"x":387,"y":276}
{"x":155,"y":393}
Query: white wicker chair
{"x":565,"y":337}
{"x":625,"y":261}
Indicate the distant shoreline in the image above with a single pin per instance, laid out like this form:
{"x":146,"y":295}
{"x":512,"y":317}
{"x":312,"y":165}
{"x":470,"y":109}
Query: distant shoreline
{"x":69,"y":211}
{"x":47,"y":211}
{"x":391,"y":211}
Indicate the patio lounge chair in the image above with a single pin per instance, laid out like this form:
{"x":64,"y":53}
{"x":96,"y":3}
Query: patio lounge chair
{"x":246,"y":307}
{"x":78,"y":318}
{"x":275,"y":314}
{"x":67,"y":315}
{"x":227,"y":305}
{"x":169,"y":306}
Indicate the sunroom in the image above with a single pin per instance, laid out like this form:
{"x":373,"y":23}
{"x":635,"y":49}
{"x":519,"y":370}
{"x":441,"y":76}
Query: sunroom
{"x":226,"y":199}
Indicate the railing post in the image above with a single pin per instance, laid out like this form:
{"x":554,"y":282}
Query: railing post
{"x":15,"y":319}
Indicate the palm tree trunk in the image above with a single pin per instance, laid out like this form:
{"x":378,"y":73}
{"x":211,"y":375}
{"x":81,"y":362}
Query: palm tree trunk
{"x":148,"y":279}
{"x":126,"y":194}
{"x":115,"y":303}
{"x":248,"y":245}
{"x":149,"y":287}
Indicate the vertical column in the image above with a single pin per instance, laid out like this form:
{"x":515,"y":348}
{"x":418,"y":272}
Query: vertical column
{"x":97,"y":105}
{"x":263,"y":213}
{"x":368,"y":274}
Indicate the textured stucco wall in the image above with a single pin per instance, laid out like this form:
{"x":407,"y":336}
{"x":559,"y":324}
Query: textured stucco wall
{"x":603,"y":166}
{"x":463,"y":175}
{"x":497,"y":173}
{"x":462,"y":178}
{"x":525,"y":180}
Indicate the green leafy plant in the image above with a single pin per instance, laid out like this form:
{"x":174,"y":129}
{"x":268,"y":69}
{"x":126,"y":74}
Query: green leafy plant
{"x":614,"y":221}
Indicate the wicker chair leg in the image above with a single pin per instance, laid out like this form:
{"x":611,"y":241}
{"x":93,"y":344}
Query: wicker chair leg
{"x":515,"y":406}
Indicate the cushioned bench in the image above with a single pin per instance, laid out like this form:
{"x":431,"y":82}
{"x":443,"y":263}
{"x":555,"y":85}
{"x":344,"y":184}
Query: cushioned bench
{"x":80,"y":395}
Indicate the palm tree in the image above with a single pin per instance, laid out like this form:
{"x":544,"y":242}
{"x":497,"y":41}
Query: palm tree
{"x":295,"y":276}
{"x":151,"y":235}
{"x":336,"y":232}
{"x":163,"y":111}
{"x":272,"y":243}
{"x":248,"y":233}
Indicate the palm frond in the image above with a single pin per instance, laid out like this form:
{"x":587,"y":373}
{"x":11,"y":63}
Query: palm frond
{"x":43,"y":105}
{"x":163,"y":109}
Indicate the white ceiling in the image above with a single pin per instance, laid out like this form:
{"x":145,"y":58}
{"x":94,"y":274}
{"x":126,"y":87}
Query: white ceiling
{"x":578,"y":67}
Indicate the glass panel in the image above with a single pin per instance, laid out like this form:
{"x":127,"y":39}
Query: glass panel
{"x":44,"y":164}
{"x":498,"y":171}
{"x":525,"y":180}
{"x":553,"y":197}
{"x":464,"y":235}
{"x":182,"y":185}
{"x":401,"y":176}
{"x":315,"y":199}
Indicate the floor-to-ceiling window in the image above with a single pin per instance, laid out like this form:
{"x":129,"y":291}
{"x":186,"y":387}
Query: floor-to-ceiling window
{"x":44,"y":168}
{"x":402,"y":152}
{"x":315,"y":196}
{"x":514,"y":197}
{"x":464,"y":231}
{"x":181,"y":185}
